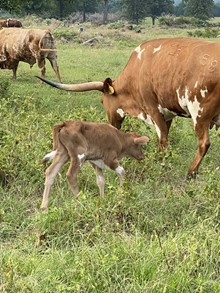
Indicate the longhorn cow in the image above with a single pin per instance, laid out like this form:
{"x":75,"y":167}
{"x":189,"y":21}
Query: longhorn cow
{"x":27,"y":45}
{"x":165,"y":78}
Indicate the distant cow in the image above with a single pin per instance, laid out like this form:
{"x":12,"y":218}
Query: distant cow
{"x":99,"y":143}
{"x":165,"y":78}
{"x":27,"y":45}
{"x":10,"y":23}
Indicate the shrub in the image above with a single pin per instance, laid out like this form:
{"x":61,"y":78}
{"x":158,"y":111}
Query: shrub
{"x":206,"y":33}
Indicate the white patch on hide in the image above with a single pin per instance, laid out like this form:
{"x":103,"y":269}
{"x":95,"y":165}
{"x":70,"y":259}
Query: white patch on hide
{"x":139,"y":51}
{"x":168,"y":115}
{"x":148,"y":120}
{"x":204,"y":92}
{"x":120,"y":112}
{"x":190,"y":107}
{"x":157,"y":49}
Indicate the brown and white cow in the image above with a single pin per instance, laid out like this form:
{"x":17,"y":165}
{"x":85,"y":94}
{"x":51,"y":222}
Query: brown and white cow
{"x":9,"y":22}
{"x":27,"y":45}
{"x":99,"y":143}
{"x":164,"y":78}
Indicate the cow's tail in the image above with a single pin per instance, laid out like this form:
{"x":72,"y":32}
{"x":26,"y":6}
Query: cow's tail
{"x":56,"y":142}
{"x":47,"y":42}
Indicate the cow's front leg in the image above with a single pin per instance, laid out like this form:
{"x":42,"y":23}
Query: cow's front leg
{"x":41,"y":64}
{"x":162,"y":129}
{"x":14,"y":70}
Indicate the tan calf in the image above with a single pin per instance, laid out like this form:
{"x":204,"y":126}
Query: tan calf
{"x":101,"y":144}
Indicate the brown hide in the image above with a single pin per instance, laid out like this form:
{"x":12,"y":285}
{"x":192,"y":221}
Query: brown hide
{"x":164,"y":78}
{"x":99,"y":143}
{"x":27,"y":45}
{"x":10,"y":23}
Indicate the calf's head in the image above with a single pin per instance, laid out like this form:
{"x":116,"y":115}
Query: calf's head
{"x":135,"y":146}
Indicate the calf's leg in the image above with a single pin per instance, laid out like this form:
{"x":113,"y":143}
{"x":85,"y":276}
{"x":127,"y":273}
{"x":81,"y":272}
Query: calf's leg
{"x":51,"y":172}
{"x":100,"y":180}
{"x":114,"y":165}
{"x":72,"y":174}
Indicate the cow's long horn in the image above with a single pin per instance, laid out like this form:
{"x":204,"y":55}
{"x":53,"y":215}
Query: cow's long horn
{"x":81,"y":87}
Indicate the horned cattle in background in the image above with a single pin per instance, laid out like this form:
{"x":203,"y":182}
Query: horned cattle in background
{"x":101,"y":144}
{"x":164,"y":78}
{"x":9,"y":22}
{"x":27,"y":45}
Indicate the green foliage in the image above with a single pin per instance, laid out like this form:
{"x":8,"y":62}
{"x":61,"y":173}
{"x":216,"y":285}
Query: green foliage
{"x":205,"y":33}
{"x":201,"y":9}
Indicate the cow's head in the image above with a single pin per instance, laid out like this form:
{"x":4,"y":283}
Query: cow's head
{"x":110,"y":98}
{"x":111,"y":104}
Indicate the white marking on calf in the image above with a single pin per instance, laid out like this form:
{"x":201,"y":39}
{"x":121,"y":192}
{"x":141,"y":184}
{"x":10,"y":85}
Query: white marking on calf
{"x":139,"y":51}
{"x":81,"y":157}
{"x":120,"y":112}
{"x":99,"y":163}
{"x":49,"y":156}
{"x":190,"y":107}
{"x":119,"y":170}
{"x":156,"y":49}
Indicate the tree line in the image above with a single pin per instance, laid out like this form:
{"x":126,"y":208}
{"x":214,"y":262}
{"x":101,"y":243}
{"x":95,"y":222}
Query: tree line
{"x":133,"y":10}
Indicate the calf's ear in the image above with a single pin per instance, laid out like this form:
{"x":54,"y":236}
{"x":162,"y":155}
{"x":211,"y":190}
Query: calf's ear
{"x":141,"y":140}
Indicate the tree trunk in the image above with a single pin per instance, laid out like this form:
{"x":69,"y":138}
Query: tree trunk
{"x":84,"y":11}
{"x":153,"y":20}
{"x":105,"y":12}
{"x":61,"y":8}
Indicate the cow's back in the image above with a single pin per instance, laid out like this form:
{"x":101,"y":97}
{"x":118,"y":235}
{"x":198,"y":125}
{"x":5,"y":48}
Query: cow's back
{"x":161,"y":67}
{"x":19,"y":42}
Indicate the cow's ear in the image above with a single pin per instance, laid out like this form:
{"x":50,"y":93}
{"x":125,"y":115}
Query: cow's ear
{"x":141,"y":140}
{"x":108,"y":87}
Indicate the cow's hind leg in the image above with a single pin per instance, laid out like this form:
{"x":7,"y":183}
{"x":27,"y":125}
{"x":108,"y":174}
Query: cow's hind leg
{"x":51,"y":172}
{"x":202,"y":133}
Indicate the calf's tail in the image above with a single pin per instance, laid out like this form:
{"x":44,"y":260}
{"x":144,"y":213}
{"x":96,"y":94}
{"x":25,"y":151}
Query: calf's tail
{"x":56,"y":142}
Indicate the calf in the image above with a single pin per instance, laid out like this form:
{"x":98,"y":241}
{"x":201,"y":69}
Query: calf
{"x":99,"y":143}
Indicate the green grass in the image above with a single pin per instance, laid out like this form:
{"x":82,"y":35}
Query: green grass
{"x":160,"y":234}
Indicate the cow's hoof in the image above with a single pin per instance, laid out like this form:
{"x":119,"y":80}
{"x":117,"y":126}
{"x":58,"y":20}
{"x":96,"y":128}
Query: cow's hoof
{"x":192,"y":175}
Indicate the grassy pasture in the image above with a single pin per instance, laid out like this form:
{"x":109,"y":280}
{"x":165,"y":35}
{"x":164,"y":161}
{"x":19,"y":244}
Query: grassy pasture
{"x":160,"y":234}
